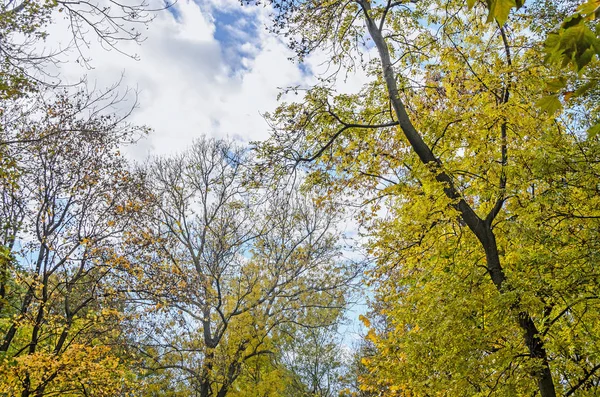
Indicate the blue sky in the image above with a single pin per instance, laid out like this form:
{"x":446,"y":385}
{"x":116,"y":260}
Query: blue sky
{"x":233,"y":29}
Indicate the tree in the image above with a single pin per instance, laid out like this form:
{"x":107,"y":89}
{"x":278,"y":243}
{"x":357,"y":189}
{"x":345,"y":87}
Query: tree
{"x":231,"y":263}
{"x":24,"y":59}
{"x":262,"y":376}
{"x":315,"y":359}
{"x":357,"y":380}
{"x":60,"y":315}
{"x":26,"y":87}
{"x":446,"y":139}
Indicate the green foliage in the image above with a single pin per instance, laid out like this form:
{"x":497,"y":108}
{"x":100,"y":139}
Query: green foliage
{"x":20,"y":25}
{"x":480,"y":207}
{"x":499,"y":9}
{"x":576,"y":42}
{"x":550,"y":103}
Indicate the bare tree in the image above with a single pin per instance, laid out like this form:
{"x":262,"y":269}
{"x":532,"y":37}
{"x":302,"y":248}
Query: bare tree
{"x":24,"y":56}
{"x":232,"y":263}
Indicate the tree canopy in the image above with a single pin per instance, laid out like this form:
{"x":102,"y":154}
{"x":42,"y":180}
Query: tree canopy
{"x":456,"y":139}
{"x":469,"y":161}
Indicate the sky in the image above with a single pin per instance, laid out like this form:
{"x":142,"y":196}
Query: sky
{"x":206,"y":67}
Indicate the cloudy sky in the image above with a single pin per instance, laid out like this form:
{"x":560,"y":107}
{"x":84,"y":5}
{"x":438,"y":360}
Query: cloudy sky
{"x":206,"y":67}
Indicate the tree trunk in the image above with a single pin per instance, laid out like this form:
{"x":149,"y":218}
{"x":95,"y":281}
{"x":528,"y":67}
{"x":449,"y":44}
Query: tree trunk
{"x":207,"y":366}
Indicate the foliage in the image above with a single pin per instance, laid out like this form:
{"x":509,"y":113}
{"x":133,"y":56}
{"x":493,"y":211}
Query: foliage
{"x":315,"y":361}
{"x":357,"y":379}
{"x":60,"y":313}
{"x":481,"y":209}
{"x":472,"y":152}
{"x":88,"y":249}
{"x":575,"y":42}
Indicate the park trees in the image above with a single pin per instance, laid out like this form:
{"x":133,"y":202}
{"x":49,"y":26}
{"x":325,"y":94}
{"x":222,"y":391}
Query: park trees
{"x":32,"y":109}
{"x":485,"y":254}
{"x":231,"y":264}
{"x":85,"y":243}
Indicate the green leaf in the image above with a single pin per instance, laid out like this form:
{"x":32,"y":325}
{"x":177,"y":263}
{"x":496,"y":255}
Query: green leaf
{"x":571,"y":21}
{"x":594,"y":131}
{"x":574,"y":43}
{"x":585,"y":88}
{"x":555,"y":85}
{"x":585,"y":58}
{"x":500,"y":9}
{"x":550,"y":104}
{"x":590,"y":7}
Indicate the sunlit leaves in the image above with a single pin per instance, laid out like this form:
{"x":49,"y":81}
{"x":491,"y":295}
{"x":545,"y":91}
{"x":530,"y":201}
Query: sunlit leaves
{"x":438,"y":323}
{"x":500,"y":9}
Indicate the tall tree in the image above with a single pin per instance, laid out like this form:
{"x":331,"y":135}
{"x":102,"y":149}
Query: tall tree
{"x":446,"y":138}
{"x":315,"y":360}
{"x":232,"y":263}
{"x":74,"y":197}
{"x":26,"y":85}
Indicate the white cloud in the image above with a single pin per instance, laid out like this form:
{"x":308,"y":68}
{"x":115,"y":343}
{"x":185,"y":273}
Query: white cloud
{"x":206,"y":68}
{"x":189,"y":82}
